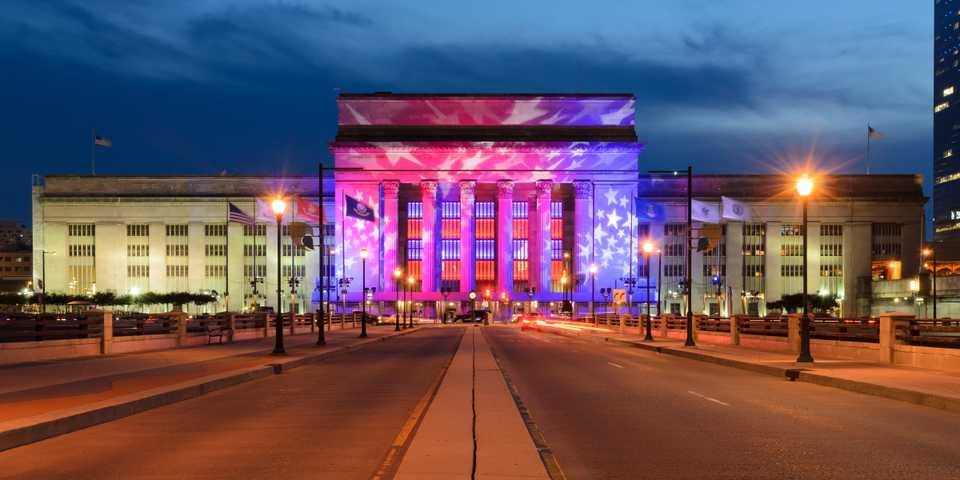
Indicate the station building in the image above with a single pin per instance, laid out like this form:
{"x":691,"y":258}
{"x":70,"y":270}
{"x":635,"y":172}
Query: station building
{"x":514,"y":198}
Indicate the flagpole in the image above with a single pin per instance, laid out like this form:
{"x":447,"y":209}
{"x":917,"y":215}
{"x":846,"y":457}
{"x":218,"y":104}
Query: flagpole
{"x":93,"y":151}
{"x":255,"y":228}
{"x":226,"y":263}
{"x":868,"y":148}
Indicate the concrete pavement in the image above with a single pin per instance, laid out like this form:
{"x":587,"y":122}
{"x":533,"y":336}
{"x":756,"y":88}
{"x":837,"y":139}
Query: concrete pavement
{"x":333,"y":419}
{"x":473,"y":428}
{"x":63,"y":396}
{"x":937,"y":389}
{"x":627,"y":413}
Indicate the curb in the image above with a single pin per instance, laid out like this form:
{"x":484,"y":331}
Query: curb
{"x":793,"y":374}
{"x":19,"y":432}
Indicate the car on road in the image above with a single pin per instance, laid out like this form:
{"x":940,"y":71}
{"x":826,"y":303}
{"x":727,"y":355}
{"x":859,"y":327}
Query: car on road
{"x":468,"y":317}
{"x":528,"y":319}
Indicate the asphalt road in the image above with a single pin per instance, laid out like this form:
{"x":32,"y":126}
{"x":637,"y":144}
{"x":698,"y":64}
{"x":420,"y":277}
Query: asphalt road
{"x":335,"y":419}
{"x":619,"y":413}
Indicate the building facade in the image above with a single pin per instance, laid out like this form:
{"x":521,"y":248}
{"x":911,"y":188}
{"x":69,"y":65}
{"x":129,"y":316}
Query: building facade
{"x":516,"y":199}
{"x":946,"y":124}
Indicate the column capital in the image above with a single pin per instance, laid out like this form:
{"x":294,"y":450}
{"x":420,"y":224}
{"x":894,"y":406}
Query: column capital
{"x":504,"y":188}
{"x":544,"y":187}
{"x":468,"y":190}
{"x":391,"y":188}
{"x":429,"y":187}
{"x":583,"y":189}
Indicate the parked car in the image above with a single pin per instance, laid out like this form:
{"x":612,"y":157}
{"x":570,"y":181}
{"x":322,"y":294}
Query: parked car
{"x":474,"y":316}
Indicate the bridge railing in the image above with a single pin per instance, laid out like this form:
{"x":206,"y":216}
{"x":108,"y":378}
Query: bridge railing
{"x":929,"y":333}
{"x":34,"y":327}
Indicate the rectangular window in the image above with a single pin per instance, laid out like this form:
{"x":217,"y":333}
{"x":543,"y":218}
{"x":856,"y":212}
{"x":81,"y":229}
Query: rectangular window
{"x":791,"y":270}
{"x":941,"y":107}
{"x":215,"y":250}
{"x":178,"y":250}
{"x":415,"y":249}
{"x":485,"y":227}
{"x":177,"y":230}
{"x":520,"y":247}
{"x":249,"y":230}
{"x":81,"y":230}
{"x":673,"y":270}
{"x":138,"y":250}
{"x":948,"y":91}
{"x":81,"y":250}
{"x":178,"y":271}
{"x":138,"y":271}
{"x":298,"y":251}
{"x":791,"y":230}
{"x":261,"y":271}
{"x":217,"y":230}
{"x":215,"y":271}
{"x":138,"y":230}
{"x":827,"y":230}
{"x":248,"y":250}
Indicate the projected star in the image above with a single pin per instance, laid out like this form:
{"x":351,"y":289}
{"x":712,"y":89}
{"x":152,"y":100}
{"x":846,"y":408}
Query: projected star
{"x":611,"y":196}
{"x":613,"y":220}
{"x":623,"y":202}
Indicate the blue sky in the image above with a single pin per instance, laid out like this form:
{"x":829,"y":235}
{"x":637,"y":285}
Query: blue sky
{"x":248,"y":87}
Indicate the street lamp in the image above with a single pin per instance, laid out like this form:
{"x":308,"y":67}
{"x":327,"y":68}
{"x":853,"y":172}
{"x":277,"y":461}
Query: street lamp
{"x":409,"y":311}
{"x":929,"y":252}
{"x":278,"y":205}
{"x":397,"y":273}
{"x":43,"y":279}
{"x":647,"y":251}
{"x":473,"y":304}
{"x":593,"y":291}
{"x":804,"y":189}
{"x":363,"y":284}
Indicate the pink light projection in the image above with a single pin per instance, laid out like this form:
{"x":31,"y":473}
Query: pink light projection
{"x":486,"y":110}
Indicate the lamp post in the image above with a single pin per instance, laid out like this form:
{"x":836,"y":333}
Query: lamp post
{"x":647,"y":251}
{"x":804,"y":189}
{"x":408,"y":310}
{"x":659,"y":278}
{"x":593,"y":292}
{"x":363,"y":284}
{"x":43,"y":279}
{"x":473,"y":303}
{"x":278,"y":205}
{"x":328,"y":282}
{"x":930,"y":252}
{"x":396,"y":278}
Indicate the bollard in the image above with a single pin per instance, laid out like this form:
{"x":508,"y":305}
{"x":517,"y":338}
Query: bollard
{"x":106,"y":337}
{"x":231,"y":326}
{"x":735,"y":330}
{"x":663,"y":325}
{"x":181,"y":319}
{"x":793,"y":332}
{"x":888,"y":334}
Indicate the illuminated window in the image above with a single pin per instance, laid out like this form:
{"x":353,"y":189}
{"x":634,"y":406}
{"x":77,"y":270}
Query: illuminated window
{"x":485,"y":233}
{"x":450,"y":244}
{"x":948,"y":178}
{"x":941,"y":107}
{"x":948,"y":91}
{"x":521,"y":273}
{"x":414,"y":241}
{"x":948,"y":153}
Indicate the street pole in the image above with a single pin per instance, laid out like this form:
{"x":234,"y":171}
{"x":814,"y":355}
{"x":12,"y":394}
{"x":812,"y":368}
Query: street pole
{"x":659,"y":278}
{"x":593,"y":293}
{"x":687,"y":284}
{"x":649,"y":336}
{"x":43,"y":282}
{"x":278,"y":207}
{"x":804,"y":188}
{"x":396,"y":323}
{"x":934,"y":286}
{"x":363,"y":285}
{"x":321,"y":252}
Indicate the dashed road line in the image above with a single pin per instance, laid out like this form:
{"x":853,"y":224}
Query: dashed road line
{"x":709,"y":399}
{"x":612,"y":364}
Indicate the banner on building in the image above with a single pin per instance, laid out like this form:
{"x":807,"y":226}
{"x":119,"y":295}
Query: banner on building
{"x":705,"y":212}
{"x":357,"y":209}
{"x":736,"y":210}
{"x":648,"y":211}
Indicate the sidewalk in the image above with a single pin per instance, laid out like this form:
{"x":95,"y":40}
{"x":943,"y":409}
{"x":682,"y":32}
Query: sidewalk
{"x":46,"y":399}
{"x":923,"y":387}
{"x":472,"y":425}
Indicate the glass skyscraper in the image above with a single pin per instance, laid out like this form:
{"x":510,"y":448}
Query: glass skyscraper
{"x":946,"y":121}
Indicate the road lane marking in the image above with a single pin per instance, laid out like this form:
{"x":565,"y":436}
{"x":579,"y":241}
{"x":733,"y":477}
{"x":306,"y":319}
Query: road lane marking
{"x":614,"y":364}
{"x":709,"y":399}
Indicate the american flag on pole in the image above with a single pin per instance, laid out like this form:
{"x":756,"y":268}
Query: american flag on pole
{"x":238,"y":216}
{"x":102,"y":141}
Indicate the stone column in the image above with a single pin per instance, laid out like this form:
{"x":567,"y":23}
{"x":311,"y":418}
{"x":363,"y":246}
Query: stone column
{"x":391,"y":191}
{"x":504,"y":236}
{"x":542,"y":264}
{"x":468,"y":190}
{"x":734,"y":258}
{"x":428,"y":192}
{"x":583,"y":233}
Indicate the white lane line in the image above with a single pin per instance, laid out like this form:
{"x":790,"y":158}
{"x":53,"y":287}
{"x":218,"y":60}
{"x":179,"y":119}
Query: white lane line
{"x":614,"y":364}
{"x":709,"y":399}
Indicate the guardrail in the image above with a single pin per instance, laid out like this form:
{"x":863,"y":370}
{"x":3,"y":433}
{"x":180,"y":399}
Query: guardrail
{"x":771,"y":327}
{"x":127,"y":324}
{"x":929,"y":333}
{"x":846,"y":329}
{"x":26,"y":327}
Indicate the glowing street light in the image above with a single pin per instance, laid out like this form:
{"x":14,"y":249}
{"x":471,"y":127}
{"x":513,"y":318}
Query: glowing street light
{"x":804,"y":190}
{"x":364,"y":253}
{"x":397,"y":273}
{"x":648,"y":249}
{"x":279,"y":206}
{"x":409,"y":311}
{"x":593,"y":291}
{"x":929,"y":252}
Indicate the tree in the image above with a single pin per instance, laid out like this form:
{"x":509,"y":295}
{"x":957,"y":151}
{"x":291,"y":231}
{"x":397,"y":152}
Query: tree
{"x":794,"y":303}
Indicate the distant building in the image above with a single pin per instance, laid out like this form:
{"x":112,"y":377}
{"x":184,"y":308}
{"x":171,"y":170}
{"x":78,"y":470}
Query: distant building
{"x":14,"y":235}
{"x":946,"y":126}
{"x":518,"y":195}
{"x":16,"y":270}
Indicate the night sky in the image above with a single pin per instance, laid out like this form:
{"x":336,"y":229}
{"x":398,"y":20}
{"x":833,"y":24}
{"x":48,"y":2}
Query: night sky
{"x":248,"y":87}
